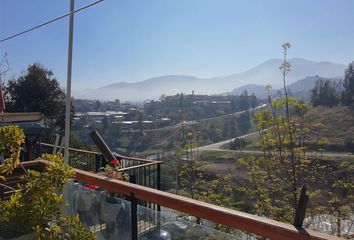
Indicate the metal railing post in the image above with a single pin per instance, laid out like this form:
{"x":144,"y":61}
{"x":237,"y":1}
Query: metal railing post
{"x":301,"y":208}
{"x":134,"y":216}
{"x":158,"y":180}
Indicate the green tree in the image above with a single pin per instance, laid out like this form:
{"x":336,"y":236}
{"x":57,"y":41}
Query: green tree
{"x":234,"y":104}
{"x":341,"y":196}
{"x":38,"y":91}
{"x":348,"y":84}
{"x":253,"y":101}
{"x":275,"y":179}
{"x":244,"y":101}
{"x":324,"y":93}
{"x":244,"y":122}
{"x":190,"y":174}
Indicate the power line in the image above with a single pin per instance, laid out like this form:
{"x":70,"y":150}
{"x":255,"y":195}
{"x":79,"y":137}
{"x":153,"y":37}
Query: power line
{"x":50,"y":21}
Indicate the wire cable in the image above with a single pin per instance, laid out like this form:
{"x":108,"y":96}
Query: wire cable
{"x":50,"y":21}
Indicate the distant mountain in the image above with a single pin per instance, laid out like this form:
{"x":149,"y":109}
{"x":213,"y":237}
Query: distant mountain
{"x":259,"y":90}
{"x":263,"y":74}
{"x":300,"y":89}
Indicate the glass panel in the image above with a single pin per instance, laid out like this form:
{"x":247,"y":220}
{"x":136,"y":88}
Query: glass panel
{"x":108,"y":216}
{"x":166,"y":225}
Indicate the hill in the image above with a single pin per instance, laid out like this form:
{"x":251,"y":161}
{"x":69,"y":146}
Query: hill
{"x":262,"y":74}
{"x":299,"y":89}
{"x":338,"y":122}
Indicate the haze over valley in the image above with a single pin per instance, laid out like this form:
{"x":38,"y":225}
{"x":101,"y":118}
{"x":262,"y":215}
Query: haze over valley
{"x":259,"y":76}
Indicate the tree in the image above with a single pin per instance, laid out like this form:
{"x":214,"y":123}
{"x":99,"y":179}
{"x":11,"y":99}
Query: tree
{"x":190,"y":175}
{"x":181,"y":100}
{"x":348,"y":84}
{"x":141,"y":121}
{"x":162,"y":97}
{"x":244,"y":101}
{"x":234,"y":104}
{"x":4,"y":67}
{"x":244,"y":122}
{"x":324,"y":93}
{"x":275,"y":179}
{"x":97,"y":106}
{"x":253,"y":101}
{"x":38,"y":91}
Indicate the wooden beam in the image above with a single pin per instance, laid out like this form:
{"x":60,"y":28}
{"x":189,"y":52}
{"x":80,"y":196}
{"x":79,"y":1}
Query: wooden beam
{"x":102,"y":146}
{"x":246,"y":222}
{"x":239,"y":220}
{"x":21,"y":117}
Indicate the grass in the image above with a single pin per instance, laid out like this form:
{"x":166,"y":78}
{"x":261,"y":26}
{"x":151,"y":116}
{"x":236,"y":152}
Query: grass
{"x":212,"y":156}
{"x":222,"y":162}
{"x":338,"y":122}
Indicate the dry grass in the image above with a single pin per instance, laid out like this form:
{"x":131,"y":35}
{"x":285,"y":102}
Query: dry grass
{"x":338,"y":122}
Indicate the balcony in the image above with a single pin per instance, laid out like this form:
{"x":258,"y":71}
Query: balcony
{"x":124,"y":210}
{"x":139,"y":171}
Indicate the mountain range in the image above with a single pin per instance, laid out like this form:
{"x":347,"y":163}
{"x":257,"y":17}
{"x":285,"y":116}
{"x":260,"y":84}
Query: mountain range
{"x":261,"y":75}
{"x":299,"y":89}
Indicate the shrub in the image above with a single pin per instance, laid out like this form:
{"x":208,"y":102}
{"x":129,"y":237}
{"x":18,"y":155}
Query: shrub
{"x":35,"y":207}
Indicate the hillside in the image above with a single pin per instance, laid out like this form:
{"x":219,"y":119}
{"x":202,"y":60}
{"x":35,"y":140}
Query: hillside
{"x":262,"y":74}
{"x":338,"y":127}
{"x":299,"y":89}
{"x":338,"y":122}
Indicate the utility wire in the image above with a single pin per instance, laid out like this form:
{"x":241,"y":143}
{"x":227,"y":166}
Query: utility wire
{"x":51,"y":21}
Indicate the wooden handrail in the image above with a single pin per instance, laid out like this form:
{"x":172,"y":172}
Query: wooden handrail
{"x":72,"y":149}
{"x":97,"y":153}
{"x":246,"y":222}
{"x":239,"y":220}
{"x":138,"y":166}
{"x":140,"y":159}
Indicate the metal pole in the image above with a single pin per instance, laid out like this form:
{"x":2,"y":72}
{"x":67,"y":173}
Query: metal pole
{"x":68,"y":84}
{"x":134,"y":216}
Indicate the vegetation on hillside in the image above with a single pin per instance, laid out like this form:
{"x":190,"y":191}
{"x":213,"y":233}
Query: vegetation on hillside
{"x":338,"y":128}
{"x":325,"y":91}
{"x":270,"y":184}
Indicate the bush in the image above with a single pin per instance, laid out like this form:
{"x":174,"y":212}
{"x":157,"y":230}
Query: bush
{"x":36,"y":204}
{"x":349,"y":144}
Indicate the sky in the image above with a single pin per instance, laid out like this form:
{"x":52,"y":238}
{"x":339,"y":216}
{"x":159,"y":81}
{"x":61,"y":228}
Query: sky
{"x":132,"y":40}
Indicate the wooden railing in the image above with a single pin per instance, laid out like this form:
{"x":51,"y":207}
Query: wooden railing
{"x":88,"y":156}
{"x":140,"y":171}
{"x":243,"y":221}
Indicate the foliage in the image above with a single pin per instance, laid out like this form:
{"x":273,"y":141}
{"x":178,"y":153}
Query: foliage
{"x":338,"y":127}
{"x":277,"y":177}
{"x":111,"y":170}
{"x":349,"y":144}
{"x":340,"y":194}
{"x":11,"y":139}
{"x":244,"y":101}
{"x":348,"y":84}
{"x":66,"y":228}
{"x":324,"y":93}
{"x":37,"y":91}
{"x":238,"y":144}
{"x":36,"y":203}
{"x":244,"y":122}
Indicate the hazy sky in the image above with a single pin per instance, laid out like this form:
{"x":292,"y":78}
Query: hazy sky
{"x":131,"y":40}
